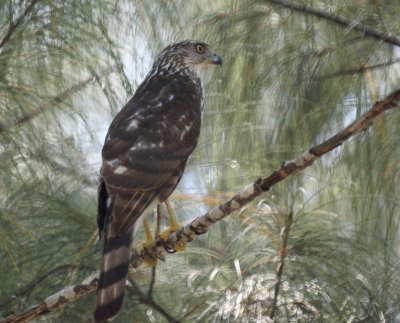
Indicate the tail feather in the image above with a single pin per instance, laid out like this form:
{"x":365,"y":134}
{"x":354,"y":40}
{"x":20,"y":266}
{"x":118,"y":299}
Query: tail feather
{"x":114,"y":270}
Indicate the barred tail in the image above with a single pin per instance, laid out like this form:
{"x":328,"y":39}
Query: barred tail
{"x":114,"y":270}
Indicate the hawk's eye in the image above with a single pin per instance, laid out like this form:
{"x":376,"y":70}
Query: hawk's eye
{"x":200,"y":48}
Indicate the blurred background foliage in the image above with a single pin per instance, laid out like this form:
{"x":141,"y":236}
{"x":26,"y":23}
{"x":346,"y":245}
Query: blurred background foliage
{"x":289,"y":80}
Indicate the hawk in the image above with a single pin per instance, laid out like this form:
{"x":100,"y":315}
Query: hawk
{"x":144,"y":156}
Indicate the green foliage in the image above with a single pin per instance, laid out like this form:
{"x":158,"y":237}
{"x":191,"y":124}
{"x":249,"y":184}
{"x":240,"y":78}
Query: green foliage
{"x":288,"y":81}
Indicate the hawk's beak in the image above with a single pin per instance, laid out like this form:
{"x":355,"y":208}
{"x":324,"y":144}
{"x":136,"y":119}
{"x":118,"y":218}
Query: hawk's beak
{"x":216,"y":60}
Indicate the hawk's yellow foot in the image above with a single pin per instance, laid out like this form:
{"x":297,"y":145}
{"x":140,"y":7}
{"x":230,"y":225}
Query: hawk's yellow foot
{"x":173,"y":226}
{"x":147,"y":259}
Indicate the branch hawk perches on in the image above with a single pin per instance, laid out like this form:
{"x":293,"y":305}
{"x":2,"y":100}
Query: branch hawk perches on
{"x":144,"y":156}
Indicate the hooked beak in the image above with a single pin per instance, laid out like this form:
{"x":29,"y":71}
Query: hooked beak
{"x":216,"y":60}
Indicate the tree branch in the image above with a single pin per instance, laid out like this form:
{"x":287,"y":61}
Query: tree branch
{"x":340,"y":20}
{"x":25,"y":291}
{"x":55,"y":301}
{"x":14,"y":25}
{"x":201,"y":224}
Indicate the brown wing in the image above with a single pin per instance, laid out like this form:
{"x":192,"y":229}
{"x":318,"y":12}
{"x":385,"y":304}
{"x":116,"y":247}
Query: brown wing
{"x":147,"y":147}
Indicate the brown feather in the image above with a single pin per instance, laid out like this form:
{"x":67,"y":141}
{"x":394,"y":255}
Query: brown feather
{"x":144,"y":156}
{"x":114,"y":270}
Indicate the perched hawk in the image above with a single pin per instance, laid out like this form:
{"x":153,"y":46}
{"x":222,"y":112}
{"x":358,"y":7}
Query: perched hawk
{"x":144,"y":156}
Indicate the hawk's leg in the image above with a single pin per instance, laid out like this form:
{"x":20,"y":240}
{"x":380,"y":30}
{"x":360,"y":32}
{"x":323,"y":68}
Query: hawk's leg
{"x":147,"y":258}
{"x":173,"y":226}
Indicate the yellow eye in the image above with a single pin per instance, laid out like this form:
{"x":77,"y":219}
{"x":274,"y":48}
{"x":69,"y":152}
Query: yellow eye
{"x":200,"y":48}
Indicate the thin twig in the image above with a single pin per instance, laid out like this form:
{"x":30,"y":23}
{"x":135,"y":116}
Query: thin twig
{"x":145,"y":299}
{"x":340,"y":20}
{"x":54,"y":101}
{"x":282,"y":262}
{"x":10,"y":13}
{"x":14,"y":25}
{"x":201,"y":224}
{"x":361,"y":69}
{"x":152,"y":281}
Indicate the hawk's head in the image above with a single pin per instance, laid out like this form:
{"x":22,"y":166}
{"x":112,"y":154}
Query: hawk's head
{"x":191,"y":53}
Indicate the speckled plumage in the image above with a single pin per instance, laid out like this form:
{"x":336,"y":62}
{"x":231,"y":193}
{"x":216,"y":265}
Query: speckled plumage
{"x":144,"y":156}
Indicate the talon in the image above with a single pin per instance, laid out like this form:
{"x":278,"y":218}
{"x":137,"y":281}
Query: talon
{"x":173,"y":226}
{"x":169,"y":250}
{"x":147,"y":259}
